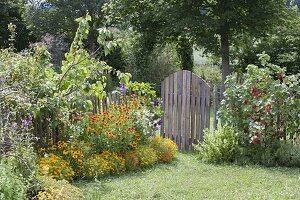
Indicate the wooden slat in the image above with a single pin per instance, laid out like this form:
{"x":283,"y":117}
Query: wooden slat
{"x":215,"y":95}
{"x":193,"y":111}
{"x":170,"y":106}
{"x":110,"y":97}
{"x":198,"y":109}
{"x":162,"y":130}
{"x":166,"y":112}
{"x":186,"y":105}
{"x":175,"y":108}
{"x":183,"y":114}
{"x":207,"y":106}
{"x":202,"y":110}
{"x":188,"y":111}
{"x":179,"y":109}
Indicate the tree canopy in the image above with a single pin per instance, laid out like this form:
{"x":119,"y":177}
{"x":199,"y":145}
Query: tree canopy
{"x":212,"y":24}
{"x":11,"y":11}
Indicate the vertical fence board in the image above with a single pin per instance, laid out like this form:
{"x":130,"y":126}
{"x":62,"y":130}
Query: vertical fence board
{"x":188,"y":111}
{"x":193,"y":106}
{"x":175,"y":106}
{"x":215,"y":95}
{"x":179,"y":109}
{"x":162,"y":130}
{"x":198,"y":109}
{"x":202,"y":110}
{"x":183,"y":114}
{"x":171,"y":95}
{"x":207,"y":105}
{"x":166,"y":111}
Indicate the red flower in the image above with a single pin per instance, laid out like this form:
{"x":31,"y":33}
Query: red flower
{"x":258,"y":134}
{"x":254,"y":92}
{"x":268,"y":107}
{"x":255,"y":141}
{"x":245,"y":102}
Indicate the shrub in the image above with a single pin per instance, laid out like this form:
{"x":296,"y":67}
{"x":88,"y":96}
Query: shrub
{"x":263,"y":109}
{"x":164,"y":147}
{"x":265,"y":106}
{"x":147,"y":156}
{"x":288,"y":154}
{"x":116,"y":163}
{"x":57,"y":190}
{"x":106,"y":163}
{"x":114,"y":130}
{"x":219,"y":145}
{"x":74,"y":153}
{"x":131,"y":160}
{"x":96,"y":166}
{"x":12,"y":186}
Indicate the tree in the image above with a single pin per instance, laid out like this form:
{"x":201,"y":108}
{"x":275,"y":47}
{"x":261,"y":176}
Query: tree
{"x":11,"y":12}
{"x":282,"y":44}
{"x":212,"y":24}
{"x":58,"y":17}
{"x":158,"y":23}
{"x":227,"y":20}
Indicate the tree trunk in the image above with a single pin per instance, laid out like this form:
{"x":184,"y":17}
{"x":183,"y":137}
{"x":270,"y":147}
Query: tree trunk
{"x":185,"y":53}
{"x":225,"y":56}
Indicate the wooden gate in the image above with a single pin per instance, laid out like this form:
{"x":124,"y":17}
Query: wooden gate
{"x":186,"y":105}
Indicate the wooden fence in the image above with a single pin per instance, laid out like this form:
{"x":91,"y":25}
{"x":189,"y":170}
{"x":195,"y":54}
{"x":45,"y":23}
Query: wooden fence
{"x":42,"y":128}
{"x":186,"y":105}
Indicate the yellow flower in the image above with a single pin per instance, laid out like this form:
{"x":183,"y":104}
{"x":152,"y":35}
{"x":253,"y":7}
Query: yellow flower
{"x":40,"y":150}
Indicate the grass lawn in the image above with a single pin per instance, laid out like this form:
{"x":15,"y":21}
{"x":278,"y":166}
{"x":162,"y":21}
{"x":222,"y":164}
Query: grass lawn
{"x":188,"y":178}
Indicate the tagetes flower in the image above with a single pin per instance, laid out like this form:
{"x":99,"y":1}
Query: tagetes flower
{"x":41,"y":150}
{"x":56,"y":167}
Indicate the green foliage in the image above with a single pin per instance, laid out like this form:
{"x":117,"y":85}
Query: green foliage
{"x":45,"y":16}
{"x":269,"y":103}
{"x":263,"y":109}
{"x":282,"y":45}
{"x":210,"y":73}
{"x":288,"y":154}
{"x":219,"y":145}
{"x":11,"y":11}
{"x":12,"y":185}
{"x":149,"y":64}
{"x":30,"y":83}
{"x":146,"y":156}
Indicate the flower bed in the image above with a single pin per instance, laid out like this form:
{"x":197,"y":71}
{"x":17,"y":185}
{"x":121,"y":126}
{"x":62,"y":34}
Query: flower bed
{"x":109,"y":143}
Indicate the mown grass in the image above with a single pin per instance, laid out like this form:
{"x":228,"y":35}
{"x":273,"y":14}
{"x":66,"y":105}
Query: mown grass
{"x":188,"y":178}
